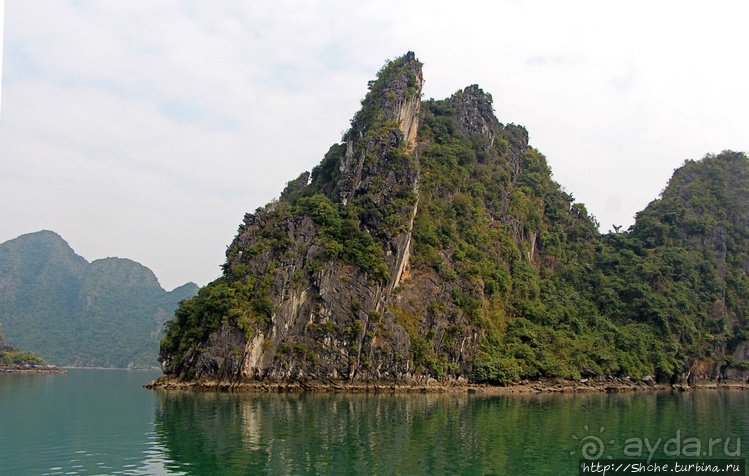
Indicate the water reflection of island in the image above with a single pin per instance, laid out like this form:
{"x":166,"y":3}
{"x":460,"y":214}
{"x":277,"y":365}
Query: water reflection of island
{"x":294,"y":433}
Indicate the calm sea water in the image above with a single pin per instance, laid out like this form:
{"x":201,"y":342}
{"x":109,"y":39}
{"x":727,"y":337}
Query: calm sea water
{"x":104,"y":422}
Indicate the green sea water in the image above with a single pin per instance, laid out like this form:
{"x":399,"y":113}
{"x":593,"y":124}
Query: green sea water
{"x":104,"y":422}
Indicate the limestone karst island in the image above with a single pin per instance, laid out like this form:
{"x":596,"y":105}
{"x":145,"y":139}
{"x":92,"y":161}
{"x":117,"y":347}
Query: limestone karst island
{"x":432,"y":247}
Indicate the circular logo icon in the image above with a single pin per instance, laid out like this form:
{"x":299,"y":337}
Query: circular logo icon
{"x":592,"y":447}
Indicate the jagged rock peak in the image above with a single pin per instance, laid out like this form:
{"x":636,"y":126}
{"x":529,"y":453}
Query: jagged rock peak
{"x":474,"y":112}
{"x":388,"y":120}
{"x":474,"y":116}
{"x":397,"y":94}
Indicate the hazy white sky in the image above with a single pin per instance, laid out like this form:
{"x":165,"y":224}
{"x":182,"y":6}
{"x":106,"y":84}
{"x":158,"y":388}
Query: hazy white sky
{"x":146,"y":130}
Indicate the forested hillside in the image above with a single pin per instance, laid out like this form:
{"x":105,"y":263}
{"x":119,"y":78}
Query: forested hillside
{"x":108,"y":313}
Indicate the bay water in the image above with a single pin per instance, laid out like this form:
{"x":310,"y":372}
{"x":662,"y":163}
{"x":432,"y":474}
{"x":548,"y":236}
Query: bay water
{"x":93,"y":421}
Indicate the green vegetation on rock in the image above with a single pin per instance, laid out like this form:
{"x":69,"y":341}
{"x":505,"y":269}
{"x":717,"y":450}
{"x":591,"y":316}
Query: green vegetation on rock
{"x":452,"y":253}
{"x":9,"y":355}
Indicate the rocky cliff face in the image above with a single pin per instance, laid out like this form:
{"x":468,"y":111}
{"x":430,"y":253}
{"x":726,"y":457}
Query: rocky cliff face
{"x":327,"y":317}
{"x":432,"y":243}
{"x":316,"y":310}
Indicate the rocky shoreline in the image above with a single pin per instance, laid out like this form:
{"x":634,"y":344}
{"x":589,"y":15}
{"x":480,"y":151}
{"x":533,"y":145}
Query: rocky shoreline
{"x":601,"y":384}
{"x":31,"y":369}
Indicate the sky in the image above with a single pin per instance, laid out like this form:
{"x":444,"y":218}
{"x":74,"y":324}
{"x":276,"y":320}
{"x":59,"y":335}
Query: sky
{"x":146,"y":130}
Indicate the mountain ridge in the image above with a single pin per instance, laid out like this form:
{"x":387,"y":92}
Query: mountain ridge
{"x":70,"y":311}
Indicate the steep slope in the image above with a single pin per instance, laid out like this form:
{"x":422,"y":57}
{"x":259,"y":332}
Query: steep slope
{"x":324,"y":283}
{"x":433,"y":243}
{"x":107,"y":313}
{"x":307,"y":278}
{"x":681,"y":270}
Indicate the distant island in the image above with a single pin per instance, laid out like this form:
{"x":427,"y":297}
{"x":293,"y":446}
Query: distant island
{"x":107,"y":313}
{"x":14,"y":361}
{"x":432,"y":246}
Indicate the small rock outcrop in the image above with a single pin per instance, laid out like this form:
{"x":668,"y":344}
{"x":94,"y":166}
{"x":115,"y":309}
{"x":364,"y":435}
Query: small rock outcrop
{"x":14,"y":361}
